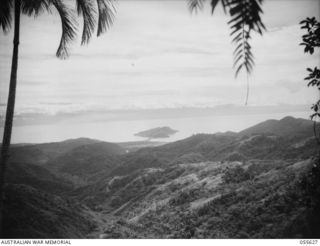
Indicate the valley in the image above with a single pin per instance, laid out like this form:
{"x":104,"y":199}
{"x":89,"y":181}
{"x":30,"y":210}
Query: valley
{"x":262,"y":182}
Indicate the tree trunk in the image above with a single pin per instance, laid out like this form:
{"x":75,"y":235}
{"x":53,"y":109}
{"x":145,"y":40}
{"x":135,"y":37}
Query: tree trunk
{"x":10,"y":110}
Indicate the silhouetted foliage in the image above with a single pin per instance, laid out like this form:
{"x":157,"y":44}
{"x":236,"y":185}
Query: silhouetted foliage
{"x":245,"y":18}
{"x":311,"y":40}
{"x":10,"y":9}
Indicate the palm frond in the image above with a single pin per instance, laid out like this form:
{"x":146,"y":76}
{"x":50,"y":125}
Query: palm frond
{"x":68,"y":23}
{"x":106,"y":11}
{"x":6,"y":7}
{"x":225,"y":4}
{"x":195,"y":5}
{"x":87,"y":10}
{"x":245,"y":18}
{"x":34,"y":7}
{"x":214,"y":5}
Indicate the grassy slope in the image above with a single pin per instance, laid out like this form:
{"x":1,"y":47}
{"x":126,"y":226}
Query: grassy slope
{"x":214,"y":200}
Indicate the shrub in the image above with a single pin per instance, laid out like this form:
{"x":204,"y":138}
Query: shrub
{"x":183,"y":197}
{"x":235,"y":175}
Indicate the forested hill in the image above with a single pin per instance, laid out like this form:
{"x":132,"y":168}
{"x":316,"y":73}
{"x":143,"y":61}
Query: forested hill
{"x":258,"y":183}
{"x":287,"y":127}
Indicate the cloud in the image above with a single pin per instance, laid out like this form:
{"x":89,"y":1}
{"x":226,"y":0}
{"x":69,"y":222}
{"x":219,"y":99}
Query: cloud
{"x":104,"y":115}
{"x":291,"y":86}
{"x":174,"y":59}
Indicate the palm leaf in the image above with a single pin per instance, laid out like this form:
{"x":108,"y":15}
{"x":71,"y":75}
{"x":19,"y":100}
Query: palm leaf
{"x":6,"y":7}
{"x":195,"y":5}
{"x":34,"y":7}
{"x":68,"y":23}
{"x":245,"y":18}
{"x":87,"y":10}
{"x":213,"y":5}
{"x":106,"y":12}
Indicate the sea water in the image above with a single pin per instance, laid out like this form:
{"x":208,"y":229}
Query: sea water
{"x":124,"y":130}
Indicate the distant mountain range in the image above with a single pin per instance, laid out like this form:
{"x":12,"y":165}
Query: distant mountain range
{"x":224,"y":185}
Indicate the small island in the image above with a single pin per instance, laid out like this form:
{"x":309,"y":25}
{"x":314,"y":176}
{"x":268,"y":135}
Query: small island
{"x":158,"y":132}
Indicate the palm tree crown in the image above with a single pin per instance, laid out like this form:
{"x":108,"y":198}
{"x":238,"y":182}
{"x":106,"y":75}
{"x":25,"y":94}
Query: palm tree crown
{"x":13,"y":8}
{"x":98,"y":13}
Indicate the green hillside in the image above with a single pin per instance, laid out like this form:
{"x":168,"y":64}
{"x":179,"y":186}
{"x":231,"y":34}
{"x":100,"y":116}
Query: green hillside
{"x":31,"y":213}
{"x":253,"y":184}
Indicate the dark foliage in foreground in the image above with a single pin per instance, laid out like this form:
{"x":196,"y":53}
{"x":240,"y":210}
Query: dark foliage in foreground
{"x":31,"y":213}
{"x":311,"y":41}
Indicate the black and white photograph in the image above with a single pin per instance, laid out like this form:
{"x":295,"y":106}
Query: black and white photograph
{"x":159,"y":119}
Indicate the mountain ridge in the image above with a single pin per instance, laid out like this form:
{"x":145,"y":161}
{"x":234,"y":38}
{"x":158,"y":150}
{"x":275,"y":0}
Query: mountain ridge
{"x":287,"y":126}
{"x":204,"y":186}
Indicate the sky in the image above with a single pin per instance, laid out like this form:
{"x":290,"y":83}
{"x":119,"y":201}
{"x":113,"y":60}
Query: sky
{"x":158,"y":55}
